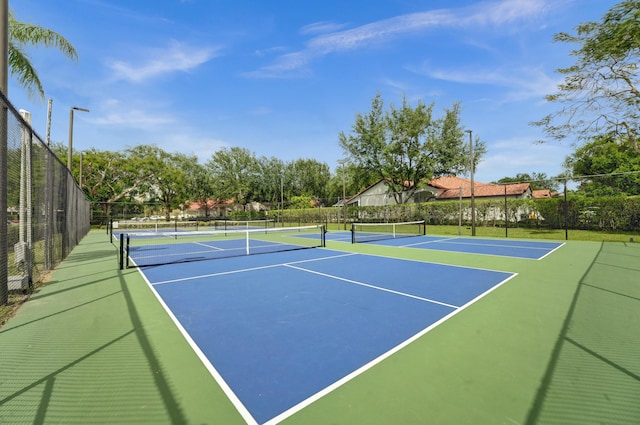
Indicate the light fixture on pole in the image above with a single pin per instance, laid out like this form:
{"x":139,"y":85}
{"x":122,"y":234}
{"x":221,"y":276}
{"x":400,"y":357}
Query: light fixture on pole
{"x":473,"y":200}
{"x":70,"y":152}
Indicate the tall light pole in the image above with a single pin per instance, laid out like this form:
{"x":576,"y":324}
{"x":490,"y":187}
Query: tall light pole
{"x":344,"y":200}
{"x":282,"y":197}
{"x":70,"y":152}
{"x":473,"y":199}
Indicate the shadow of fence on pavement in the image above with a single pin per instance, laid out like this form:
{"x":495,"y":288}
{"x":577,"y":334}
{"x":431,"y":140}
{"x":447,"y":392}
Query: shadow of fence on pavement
{"x":593,"y":376}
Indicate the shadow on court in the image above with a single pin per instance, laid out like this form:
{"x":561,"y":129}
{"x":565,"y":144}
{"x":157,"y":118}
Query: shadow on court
{"x":593,"y":376}
{"x":79,"y":349}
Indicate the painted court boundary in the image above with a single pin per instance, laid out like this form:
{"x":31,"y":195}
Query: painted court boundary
{"x":244,"y":412}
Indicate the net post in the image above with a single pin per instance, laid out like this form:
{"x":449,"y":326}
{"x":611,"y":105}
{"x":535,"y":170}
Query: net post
{"x":247,"y":242}
{"x":121,"y":252}
{"x":353,"y":233}
{"x":128,"y":245}
{"x":424,"y":228}
{"x":323,"y":236}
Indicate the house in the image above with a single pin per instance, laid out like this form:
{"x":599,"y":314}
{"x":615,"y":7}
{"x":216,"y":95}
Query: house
{"x":212,"y":208}
{"x":456,"y":187}
{"x":378,"y":194}
{"x":544,"y":193}
{"x":438,"y":189}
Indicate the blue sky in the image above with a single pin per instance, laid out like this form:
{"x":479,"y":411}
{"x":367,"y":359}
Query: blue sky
{"x":284,"y":78}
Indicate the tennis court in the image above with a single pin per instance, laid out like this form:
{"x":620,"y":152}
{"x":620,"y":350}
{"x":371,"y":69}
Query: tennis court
{"x":514,"y":248}
{"x":279,"y":331}
{"x":533,"y":250}
{"x":96,"y":344}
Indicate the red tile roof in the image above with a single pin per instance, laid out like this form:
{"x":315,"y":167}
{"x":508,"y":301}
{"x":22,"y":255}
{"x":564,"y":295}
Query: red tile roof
{"x":451,"y":188}
{"x":543,"y":193}
{"x":486,"y":190}
{"x":452,"y":182}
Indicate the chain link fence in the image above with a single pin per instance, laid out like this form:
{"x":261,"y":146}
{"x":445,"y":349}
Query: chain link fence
{"x":43,"y":212}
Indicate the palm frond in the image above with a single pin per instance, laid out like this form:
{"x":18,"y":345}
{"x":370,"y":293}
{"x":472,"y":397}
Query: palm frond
{"x":20,"y":67}
{"x":22,"y":35}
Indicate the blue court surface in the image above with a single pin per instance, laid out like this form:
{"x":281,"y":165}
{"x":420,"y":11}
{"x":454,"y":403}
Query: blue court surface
{"x":534,"y":250}
{"x":280,"y":330}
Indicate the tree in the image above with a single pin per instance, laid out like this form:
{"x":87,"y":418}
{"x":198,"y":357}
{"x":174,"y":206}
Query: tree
{"x":200,"y":186}
{"x":537,"y":180}
{"x":407,"y":146}
{"x":166,"y":175}
{"x":235,"y":171}
{"x":600,"y":93}
{"x":347,"y":181}
{"x":268,"y":186}
{"x":308,"y":177}
{"x":610,"y":165}
{"x":22,"y":35}
{"x":110,"y":177}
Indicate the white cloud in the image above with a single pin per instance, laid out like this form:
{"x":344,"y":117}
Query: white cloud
{"x":190,"y":142}
{"x":521,"y":83}
{"x":176,"y":57}
{"x":112,"y":112}
{"x":321,"y":28}
{"x":496,"y":13}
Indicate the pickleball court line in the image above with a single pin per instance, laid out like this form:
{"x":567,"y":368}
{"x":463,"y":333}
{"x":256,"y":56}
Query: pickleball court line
{"x":210,"y":250}
{"x":453,"y":242}
{"x":243,"y":411}
{"x":233,"y":398}
{"x":249,"y":269}
{"x":428,"y":242}
{"x":215,"y":248}
{"x":367,"y":285}
{"x":330,"y":388}
{"x":552,"y":251}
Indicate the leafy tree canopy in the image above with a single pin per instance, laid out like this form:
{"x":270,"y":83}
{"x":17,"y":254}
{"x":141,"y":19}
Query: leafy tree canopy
{"x":537,"y":180}
{"x":600,"y":93}
{"x":610,"y":165}
{"x":408,"y":146}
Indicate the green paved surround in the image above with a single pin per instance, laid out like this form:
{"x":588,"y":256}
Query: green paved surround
{"x":94,"y":345}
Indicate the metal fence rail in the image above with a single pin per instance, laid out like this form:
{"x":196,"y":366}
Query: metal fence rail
{"x":46,"y":213}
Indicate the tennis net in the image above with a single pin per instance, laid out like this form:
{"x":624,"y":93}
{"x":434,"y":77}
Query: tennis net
{"x":151,"y":248}
{"x":368,"y":232}
{"x":243,"y":224}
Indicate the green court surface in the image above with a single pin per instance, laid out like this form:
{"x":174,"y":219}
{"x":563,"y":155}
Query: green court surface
{"x":557,"y":344}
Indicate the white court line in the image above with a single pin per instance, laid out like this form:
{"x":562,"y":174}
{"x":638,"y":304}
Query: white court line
{"x":182,"y":254}
{"x":552,"y":251}
{"x":428,"y":242}
{"x":247,"y":416}
{"x":452,"y":241}
{"x":209,"y":246}
{"x":317,"y":396}
{"x":204,"y":276}
{"x":379,"y":288}
{"x":242,"y":409}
